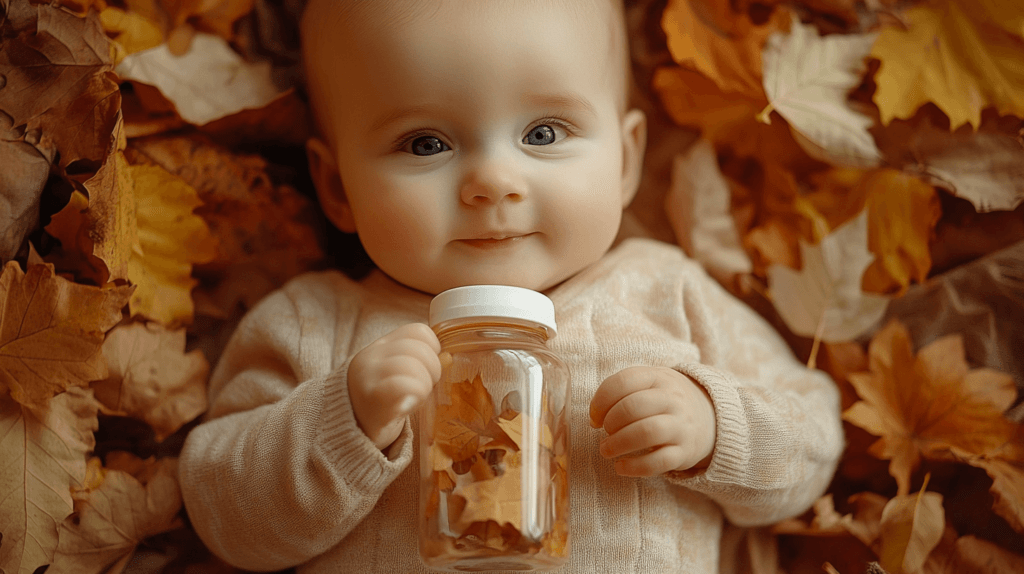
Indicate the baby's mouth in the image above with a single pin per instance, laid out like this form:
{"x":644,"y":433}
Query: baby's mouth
{"x":495,"y":242}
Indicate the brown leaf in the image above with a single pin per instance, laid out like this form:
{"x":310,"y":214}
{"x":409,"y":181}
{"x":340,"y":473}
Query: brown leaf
{"x":911,"y":526}
{"x":112,"y":519}
{"x":22,"y":179}
{"x":971,"y":555}
{"x":51,"y":331}
{"x":58,"y":80}
{"x":152,"y":378}
{"x":925,"y":405}
{"x":464,"y":413}
{"x":43,"y":451}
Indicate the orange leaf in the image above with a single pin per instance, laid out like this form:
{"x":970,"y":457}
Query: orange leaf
{"x":721,"y":44}
{"x":911,"y":526}
{"x":925,"y":405}
{"x":51,"y":331}
{"x":152,"y":378}
{"x":43,"y":452}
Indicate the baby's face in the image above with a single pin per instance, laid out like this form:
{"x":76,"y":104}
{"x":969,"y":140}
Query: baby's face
{"x":479,"y":143}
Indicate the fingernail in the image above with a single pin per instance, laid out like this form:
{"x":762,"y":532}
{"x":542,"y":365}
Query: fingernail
{"x":408,"y":403}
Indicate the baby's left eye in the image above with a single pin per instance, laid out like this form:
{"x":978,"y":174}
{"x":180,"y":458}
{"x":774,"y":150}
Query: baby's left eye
{"x":544,"y":134}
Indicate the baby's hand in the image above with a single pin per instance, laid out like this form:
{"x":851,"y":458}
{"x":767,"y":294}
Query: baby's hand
{"x":660,"y":416}
{"x":391,"y":377}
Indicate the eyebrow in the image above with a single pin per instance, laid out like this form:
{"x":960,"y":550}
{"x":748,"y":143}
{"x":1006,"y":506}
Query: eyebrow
{"x":568,"y":100}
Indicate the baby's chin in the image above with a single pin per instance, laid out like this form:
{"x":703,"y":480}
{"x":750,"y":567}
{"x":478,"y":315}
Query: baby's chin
{"x":533,"y":278}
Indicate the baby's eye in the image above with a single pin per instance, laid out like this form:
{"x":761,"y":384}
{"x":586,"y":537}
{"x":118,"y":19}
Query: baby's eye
{"x":541,"y":135}
{"x":428,"y":145}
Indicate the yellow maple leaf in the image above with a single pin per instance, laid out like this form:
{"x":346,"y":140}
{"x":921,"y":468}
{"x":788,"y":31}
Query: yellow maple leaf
{"x":952,"y":54}
{"x":43,"y":450}
{"x":51,"y":331}
{"x":925,"y":405}
{"x":171,"y":240}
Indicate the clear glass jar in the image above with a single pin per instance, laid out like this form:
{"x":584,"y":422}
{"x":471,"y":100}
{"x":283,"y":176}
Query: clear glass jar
{"x":493,"y":438}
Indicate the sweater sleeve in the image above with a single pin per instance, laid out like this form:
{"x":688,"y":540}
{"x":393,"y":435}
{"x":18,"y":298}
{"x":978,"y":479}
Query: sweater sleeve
{"x":779,"y":428}
{"x":279,"y":472}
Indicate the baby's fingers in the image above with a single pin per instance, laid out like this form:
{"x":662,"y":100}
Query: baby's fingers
{"x":641,"y":435}
{"x":654,"y":463}
{"x":617,"y":387}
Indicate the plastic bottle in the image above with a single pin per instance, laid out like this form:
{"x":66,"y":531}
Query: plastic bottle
{"x":493,"y":438}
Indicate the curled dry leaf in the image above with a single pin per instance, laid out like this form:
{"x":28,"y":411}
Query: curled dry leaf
{"x":152,"y":378}
{"x":43,"y":451}
{"x":51,"y":331}
{"x":824,"y":299}
{"x":25,"y":172}
{"x":58,"y":86}
{"x":697,"y":205}
{"x":954,"y":55}
{"x":911,"y":526}
{"x":924,"y":405}
{"x":209,"y":82}
{"x":113,"y":517}
{"x":172,"y":239}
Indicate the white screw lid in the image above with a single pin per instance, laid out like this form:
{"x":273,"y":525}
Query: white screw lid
{"x":493,"y":302}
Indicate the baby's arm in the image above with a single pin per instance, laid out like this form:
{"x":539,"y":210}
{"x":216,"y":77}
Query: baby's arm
{"x":281,"y":470}
{"x":776,"y":430}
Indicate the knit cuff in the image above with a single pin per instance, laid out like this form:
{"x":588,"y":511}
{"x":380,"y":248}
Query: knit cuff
{"x":731,"y":457}
{"x":346,"y":446}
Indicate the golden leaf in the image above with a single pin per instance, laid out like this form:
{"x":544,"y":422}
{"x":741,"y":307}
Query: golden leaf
{"x":51,"y":331}
{"x":133,"y":30}
{"x":928,"y":404}
{"x":172,"y":239}
{"x":113,"y":518}
{"x":499,"y":499}
{"x":152,"y":378}
{"x":43,"y":451}
{"x":515,"y":427}
{"x":951,"y":54}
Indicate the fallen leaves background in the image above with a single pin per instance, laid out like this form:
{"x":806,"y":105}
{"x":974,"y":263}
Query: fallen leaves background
{"x":853,"y":169}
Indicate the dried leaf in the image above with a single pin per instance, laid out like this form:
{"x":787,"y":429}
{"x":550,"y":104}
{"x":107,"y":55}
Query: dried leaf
{"x":102,"y":227}
{"x":825,"y":296}
{"x":210,"y":82}
{"x":807,"y":79}
{"x":152,"y":378}
{"x":951,"y":54}
{"x":499,"y":499}
{"x":723,"y":45}
{"x":25,"y":172}
{"x":112,"y":519}
{"x":133,"y":30}
{"x":911,"y":526}
{"x":972,"y":555}
{"x":44,"y":451}
{"x":925,"y":405}
{"x":1007,"y":487}
{"x":217,"y":16}
{"x":58,"y":84}
{"x":51,"y":331}
{"x":985,"y":167}
{"x":172,"y":239}
{"x":464,"y":413}
{"x":697,"y":205}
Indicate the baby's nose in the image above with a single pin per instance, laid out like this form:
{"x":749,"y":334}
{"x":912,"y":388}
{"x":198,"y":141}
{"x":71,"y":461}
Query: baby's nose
{"x":492,"y":182}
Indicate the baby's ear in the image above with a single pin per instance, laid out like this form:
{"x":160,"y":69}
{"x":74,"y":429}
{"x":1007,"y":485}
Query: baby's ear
{"x":634,"y":143}
{"x":323,"y":169}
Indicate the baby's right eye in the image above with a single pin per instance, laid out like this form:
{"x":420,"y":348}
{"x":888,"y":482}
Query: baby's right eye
{"x":427,"y":145}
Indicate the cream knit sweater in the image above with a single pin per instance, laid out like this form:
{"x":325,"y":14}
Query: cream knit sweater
{"x":279,"y":474}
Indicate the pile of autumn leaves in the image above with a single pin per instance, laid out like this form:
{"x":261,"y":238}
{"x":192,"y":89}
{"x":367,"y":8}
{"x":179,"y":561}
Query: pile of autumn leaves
{"x":815,"y":181}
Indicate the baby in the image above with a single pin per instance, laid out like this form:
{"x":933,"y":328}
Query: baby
{"x":490,"y":142}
